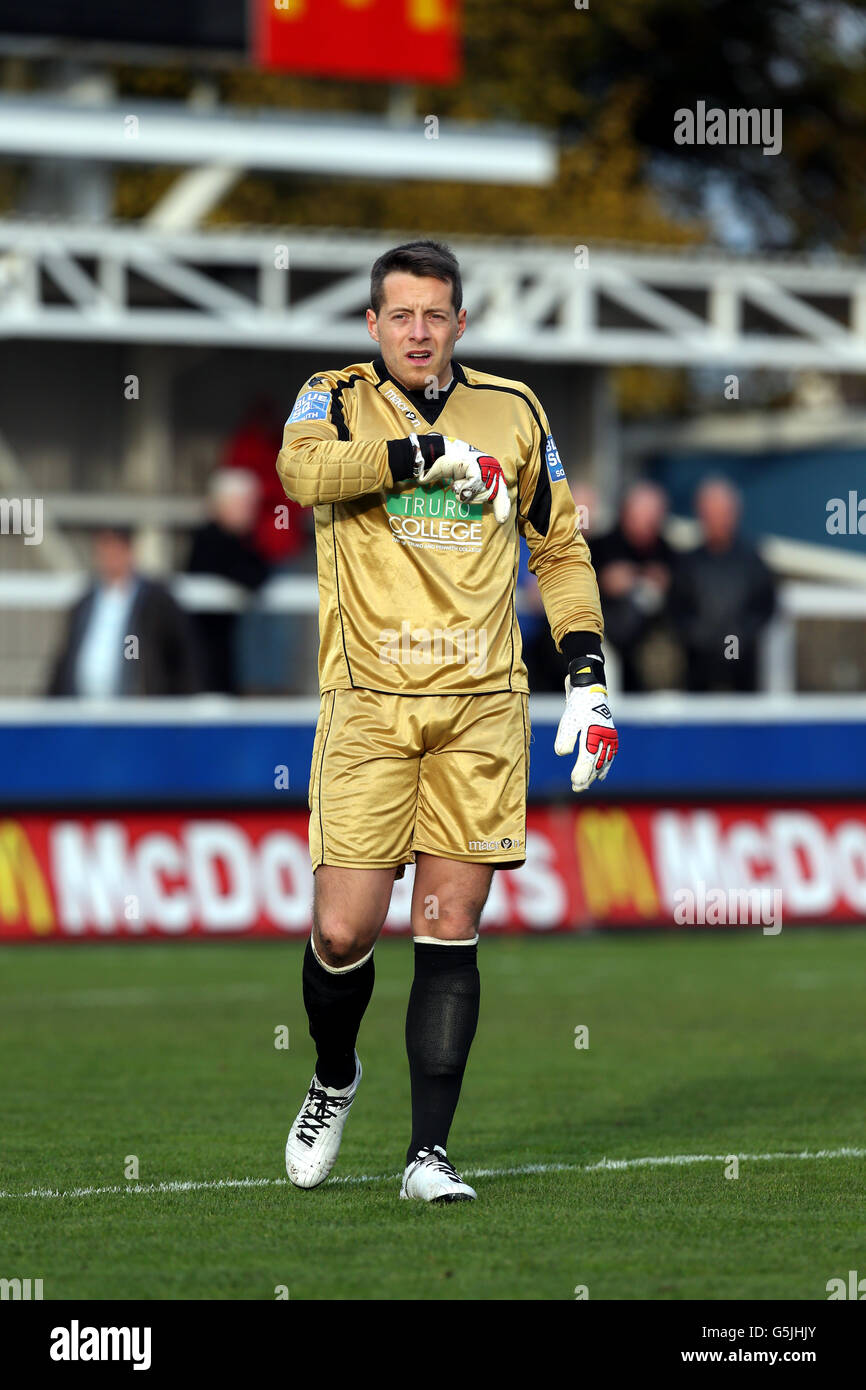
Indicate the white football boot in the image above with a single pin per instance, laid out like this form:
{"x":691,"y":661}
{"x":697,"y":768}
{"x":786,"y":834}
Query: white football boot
{"x":314,"y":1138}
{"x":431,"y":1178}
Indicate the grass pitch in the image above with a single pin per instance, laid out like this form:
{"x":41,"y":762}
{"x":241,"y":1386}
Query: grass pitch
{"x":702,"y":1044}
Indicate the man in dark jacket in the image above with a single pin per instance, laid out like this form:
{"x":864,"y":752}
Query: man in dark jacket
{"x":634,"y":564}
{"x":224,"y":546}
{"x":126,"y":635}
{"x":723,"y":596}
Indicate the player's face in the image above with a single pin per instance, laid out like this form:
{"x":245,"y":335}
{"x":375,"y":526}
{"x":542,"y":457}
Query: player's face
{"x":416,"y":329}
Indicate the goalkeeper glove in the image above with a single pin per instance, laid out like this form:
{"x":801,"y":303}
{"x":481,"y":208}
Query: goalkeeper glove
{"x":472,"y":475}
{"x":438,"y":460}
{"x":587,"y":720}
{"x":494,"y":485}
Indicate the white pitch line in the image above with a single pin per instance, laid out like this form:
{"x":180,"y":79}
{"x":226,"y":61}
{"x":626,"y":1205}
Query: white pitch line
{"x":526,"y":1170}
{"x":676,"y":1159}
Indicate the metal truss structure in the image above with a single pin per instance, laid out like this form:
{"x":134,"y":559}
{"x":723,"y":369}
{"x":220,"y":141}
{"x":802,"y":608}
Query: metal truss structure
{"x":294,"y":288}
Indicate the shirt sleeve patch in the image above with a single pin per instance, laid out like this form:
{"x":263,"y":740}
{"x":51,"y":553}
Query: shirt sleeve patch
{"x":554,"y":462}
{"x":313,"y":405}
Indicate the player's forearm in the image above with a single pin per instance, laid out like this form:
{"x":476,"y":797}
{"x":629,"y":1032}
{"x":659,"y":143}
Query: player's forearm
{"x":322,"y":471}
{"x":569,"y":593}
{"x":315,"y":471}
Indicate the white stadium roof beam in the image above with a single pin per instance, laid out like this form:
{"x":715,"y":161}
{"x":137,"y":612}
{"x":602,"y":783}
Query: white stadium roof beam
{"x":525,"y":300}
{"x":349,"y":146}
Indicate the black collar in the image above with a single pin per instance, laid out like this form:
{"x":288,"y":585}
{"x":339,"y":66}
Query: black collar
{"x":384,"y":375}
{"x":429,"y":408}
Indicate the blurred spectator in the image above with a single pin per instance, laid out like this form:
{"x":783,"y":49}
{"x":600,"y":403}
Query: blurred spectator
{"x":270,"y":644}
{"x":277,"y":536}
{"x":544,"y":664}
{"x":723,"y":596}
{"x":634,"y":567}
{"x":126,"y":636}
{"x":224,"y":547}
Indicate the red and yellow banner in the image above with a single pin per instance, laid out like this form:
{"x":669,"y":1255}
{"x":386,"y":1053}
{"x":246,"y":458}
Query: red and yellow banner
{"x":130,"y":876}
{"x":397,"y":40}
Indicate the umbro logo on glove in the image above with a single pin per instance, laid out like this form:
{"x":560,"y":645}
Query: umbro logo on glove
{"x":587,"y":723}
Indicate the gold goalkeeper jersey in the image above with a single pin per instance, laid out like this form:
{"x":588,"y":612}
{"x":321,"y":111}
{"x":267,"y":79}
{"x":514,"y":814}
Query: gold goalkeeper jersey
{"x":416,"y":589}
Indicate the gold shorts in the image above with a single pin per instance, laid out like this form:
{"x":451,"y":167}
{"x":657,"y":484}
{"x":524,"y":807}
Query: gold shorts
{"x":394,"y":774}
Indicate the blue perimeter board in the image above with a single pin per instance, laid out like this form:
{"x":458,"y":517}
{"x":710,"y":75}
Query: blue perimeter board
{"x":229,"y":763}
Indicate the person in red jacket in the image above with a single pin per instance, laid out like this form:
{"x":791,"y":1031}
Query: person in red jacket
{"x":279,"y":532}
{"x":271,"y":645}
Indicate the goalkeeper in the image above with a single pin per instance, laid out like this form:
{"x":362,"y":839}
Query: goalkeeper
{"x":421,"y":473}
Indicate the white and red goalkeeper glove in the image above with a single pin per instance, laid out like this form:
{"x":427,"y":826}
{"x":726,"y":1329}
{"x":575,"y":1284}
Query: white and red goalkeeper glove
{"x":587,"y":723}
{"x":473,"y":476}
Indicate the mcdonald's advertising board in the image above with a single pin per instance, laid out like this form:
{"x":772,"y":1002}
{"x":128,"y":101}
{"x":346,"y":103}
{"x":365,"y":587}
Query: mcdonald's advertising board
{"x":396,"y":40}
{"x":167,"y":876}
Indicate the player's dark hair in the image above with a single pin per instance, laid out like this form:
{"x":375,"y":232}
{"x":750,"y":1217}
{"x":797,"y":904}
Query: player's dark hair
{"x":421,"y":258}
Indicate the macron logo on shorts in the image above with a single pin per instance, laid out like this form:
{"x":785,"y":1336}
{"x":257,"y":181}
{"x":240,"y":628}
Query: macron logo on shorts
{"x":488,"y":846}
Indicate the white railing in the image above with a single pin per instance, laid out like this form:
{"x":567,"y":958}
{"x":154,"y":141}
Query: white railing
{"x":23,"y":591}
{"x":661,"y":708}
{"x":197,"y":592}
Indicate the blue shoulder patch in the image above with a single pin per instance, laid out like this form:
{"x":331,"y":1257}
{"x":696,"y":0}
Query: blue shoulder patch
{"x":554,"y":462}
{"x":313,"y":405}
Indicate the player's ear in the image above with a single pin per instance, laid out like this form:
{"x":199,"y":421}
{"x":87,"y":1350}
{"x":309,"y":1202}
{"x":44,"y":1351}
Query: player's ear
{"x":461,"y":323}
{"x":372,"y":326}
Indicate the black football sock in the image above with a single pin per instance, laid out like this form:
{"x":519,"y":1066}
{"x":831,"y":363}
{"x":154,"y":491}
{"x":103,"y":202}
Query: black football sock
{"x":335,"y":1001}
{"x":440,"y":1025}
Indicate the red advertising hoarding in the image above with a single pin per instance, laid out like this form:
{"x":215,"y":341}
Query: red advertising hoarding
{"x":165,"y":876}
{"x":397,"y":40}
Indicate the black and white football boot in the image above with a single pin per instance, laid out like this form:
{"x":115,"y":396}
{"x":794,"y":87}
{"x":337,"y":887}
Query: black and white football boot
{"x":314,"y":1138}
{"x":431,"y":1178}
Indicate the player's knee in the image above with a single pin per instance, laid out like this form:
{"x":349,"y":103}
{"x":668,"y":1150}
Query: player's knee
{"x":339,"y":944}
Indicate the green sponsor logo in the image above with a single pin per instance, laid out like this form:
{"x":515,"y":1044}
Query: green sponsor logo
{"x":437,"y":503}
